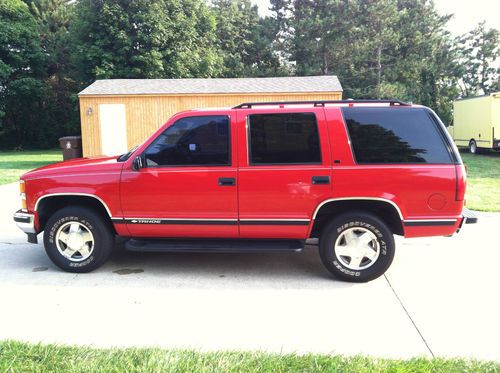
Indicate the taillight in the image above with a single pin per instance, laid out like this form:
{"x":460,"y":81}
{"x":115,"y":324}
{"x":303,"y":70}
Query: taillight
{"x":461,"y":182}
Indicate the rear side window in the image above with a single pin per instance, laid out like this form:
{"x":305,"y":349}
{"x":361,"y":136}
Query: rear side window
{"x":395,"y":135}
{"x":192,"y":141}
{"x":290,"y":138}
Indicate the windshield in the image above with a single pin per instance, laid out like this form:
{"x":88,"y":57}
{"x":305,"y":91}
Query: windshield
{"x":124,"y":157}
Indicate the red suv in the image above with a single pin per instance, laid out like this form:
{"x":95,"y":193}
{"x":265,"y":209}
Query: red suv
{"x":259,"y":177}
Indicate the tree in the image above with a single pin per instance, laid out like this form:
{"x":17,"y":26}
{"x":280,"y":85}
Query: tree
{"x":379,"y":49}
{"x":236,"y":21}
{"x":426,"y":58}
{"x":244,"y":39}
{"x":53,"y":18}
{"x":266,"y":59}
{"x":479,"y":52}
{"x":50,"y":49}
{"x":22,"y":89}
{"x":143,"y":39}
{"x":279,"y":26}
{"x":352,"y":39}
{"x":376,"y":38}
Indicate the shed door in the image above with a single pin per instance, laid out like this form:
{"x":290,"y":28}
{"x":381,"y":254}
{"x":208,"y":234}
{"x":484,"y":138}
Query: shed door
{"x":113,"y":129}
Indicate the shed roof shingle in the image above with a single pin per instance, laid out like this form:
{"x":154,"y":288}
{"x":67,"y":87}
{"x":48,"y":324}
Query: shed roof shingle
{"x":324,"y":83}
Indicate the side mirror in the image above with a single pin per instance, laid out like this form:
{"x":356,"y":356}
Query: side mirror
{"x":137,"y":163}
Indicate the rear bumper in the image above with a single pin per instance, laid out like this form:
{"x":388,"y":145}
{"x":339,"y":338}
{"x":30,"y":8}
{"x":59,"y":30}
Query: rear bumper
{"x":468,"y":216}
{"x":438,"y":227}
{"x":25,"y":221}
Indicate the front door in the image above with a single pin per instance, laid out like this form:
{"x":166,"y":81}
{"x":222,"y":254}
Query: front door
{"x":188,"y":186}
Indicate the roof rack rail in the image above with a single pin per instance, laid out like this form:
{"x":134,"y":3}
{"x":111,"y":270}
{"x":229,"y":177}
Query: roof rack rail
{"x":321,"y":103}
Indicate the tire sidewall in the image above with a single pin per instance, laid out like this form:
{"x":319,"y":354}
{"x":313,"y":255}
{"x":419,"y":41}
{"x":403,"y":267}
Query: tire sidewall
{"x":473,"y":147}
{"x":343,"y":223}
{"x":103,"y":241}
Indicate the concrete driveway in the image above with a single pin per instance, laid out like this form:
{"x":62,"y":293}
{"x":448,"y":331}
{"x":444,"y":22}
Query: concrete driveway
{"x":439,"y":298}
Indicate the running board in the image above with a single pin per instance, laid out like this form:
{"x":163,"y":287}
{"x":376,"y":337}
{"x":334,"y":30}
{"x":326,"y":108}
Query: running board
{"x":208,"y":245}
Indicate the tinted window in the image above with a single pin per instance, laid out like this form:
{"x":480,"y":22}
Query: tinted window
{"x":195,"y":141}
{"x":394,"y":135}
{"x":284,"y":138}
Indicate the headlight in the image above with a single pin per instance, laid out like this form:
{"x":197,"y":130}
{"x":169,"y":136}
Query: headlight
{"x":22,"y":193}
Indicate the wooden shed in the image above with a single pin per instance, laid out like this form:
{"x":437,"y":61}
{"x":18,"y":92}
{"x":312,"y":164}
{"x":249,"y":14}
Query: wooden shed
{"x":117,"y":114}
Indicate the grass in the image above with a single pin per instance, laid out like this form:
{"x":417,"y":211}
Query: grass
{"x":14,"y":164}
{"x":24,"y":357}
{"x":483,"y":183}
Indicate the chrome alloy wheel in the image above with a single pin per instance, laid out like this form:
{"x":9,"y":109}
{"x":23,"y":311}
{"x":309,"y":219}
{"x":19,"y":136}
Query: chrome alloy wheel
{"x":357,"y":248}
{"x":74,"y":241}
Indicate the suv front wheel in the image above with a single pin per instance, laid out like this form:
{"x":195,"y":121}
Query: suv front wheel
{"x":77,"y":239}
{"x":357,"y":247}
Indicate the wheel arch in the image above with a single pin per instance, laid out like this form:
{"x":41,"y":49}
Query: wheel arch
{"x":48,"y":204}
{"x":383,"y":208}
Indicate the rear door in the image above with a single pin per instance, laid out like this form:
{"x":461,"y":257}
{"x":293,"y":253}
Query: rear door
{"x":284,"y":170}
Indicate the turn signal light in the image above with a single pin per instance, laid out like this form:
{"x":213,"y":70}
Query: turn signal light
{"x":22,"y":190}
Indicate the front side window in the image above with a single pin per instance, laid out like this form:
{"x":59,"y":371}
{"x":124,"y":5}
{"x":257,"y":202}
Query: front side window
{"x":192,"y":141}
{"x":395,"y":135}
{"x":290,"y":138}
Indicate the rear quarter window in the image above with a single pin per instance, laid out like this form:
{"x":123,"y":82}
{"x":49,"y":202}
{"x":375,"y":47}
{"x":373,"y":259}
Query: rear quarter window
{"x":395,"y":135}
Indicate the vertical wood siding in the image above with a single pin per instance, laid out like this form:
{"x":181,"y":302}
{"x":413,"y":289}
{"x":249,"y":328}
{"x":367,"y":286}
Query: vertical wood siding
{"x":145,"y":114}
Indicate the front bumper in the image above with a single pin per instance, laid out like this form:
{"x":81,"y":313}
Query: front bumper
{"x":25,"y":221}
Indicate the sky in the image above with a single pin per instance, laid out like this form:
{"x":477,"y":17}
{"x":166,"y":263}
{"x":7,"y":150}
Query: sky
{"x":467,"y":13}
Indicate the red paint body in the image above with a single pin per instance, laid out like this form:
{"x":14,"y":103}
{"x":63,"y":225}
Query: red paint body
{"x":420,"y":192}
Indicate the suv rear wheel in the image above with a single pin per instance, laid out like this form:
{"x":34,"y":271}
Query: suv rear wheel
{"x":77,"y":239}
{"x":357,"y":247}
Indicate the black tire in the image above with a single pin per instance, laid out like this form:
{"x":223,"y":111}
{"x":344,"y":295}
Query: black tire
{"x":102,"y":235}
{"x":473,"y":147}
{"x":338,"y":265}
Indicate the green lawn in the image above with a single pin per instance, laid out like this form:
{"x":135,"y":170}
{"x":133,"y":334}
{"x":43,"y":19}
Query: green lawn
{"x":483,"y":184}
{"x":14,"y":164}
{"x":22,"y":357}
